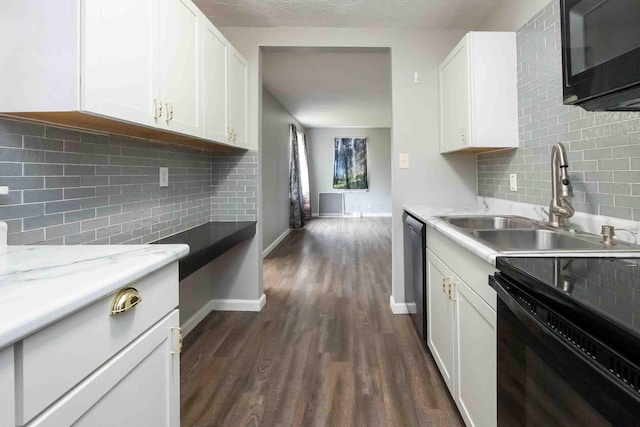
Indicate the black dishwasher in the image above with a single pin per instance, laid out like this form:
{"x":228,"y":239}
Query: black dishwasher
{"x":415,"y":281}
{"x":568,"y":341}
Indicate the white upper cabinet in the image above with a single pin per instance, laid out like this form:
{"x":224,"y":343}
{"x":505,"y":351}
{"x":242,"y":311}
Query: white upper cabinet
{"x":150,"y":68}
{"x":238,"y":99}
{"x":478,"y":94}
{"x":215,"y":59}
{"x":121,"y":71}
{"x":180,"y":66}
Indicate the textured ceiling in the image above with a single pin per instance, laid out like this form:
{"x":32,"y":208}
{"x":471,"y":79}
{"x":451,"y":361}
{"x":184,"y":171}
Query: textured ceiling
{"x":440,"y":14}
{"x":331,"y":87}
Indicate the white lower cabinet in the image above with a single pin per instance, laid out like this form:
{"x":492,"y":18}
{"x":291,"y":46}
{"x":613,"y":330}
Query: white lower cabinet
{"x":476,"y":369}
{"x":114,"y":362}
{"x":138,"y":387}
{"x":7,"y":388}
{"x":440,"y":316}
{"x":462,"y":328}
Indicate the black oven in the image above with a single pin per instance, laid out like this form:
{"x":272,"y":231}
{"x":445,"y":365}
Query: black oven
{"x":601,"y":54}
{"x":553,"y":371}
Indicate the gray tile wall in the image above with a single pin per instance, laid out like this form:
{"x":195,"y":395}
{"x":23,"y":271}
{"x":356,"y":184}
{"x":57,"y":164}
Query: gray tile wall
{"x":603,"y":148}
{"x":235,"y":187}
{"x":77,"y":187}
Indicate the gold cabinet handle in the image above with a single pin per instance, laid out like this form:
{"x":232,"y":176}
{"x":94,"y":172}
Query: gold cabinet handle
{"x":125,"y":300}
{"x":169,"y":112}
{"x":158,"y":108}
{"x":445,"y":282}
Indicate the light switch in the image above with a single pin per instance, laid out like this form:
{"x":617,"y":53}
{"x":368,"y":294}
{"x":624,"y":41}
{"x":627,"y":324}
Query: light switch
{"x":404,"y":160}
{"x":164,"y":177}
{"x":513,"y":182}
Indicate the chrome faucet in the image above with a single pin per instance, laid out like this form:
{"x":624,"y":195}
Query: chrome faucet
{"x":560,"y":208}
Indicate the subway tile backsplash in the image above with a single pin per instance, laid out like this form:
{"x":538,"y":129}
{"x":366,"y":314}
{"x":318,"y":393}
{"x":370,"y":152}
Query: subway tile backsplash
{"x":603,"y":148}
{"x":69,"y":186}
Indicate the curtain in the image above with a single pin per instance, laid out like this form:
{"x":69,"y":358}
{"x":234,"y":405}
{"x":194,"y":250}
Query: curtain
{"x":304,"y":175}
{"x":296,"y":198}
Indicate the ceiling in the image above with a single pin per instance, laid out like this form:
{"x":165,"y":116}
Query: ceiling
{"x":331,"y":87}
{"x":436,"y":14}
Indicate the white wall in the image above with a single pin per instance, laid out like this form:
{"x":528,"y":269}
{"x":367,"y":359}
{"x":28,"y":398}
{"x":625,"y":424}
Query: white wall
{"x":320,"y":147}
{"x":275,"y":167}
{"x":432,"y":179}
{"x":510,"y":15}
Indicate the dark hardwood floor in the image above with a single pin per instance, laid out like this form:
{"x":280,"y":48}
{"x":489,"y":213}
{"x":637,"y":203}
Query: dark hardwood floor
{"x":326,"y":349}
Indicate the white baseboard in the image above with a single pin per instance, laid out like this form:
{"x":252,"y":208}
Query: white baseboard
{"x":239,"y":304}
{"x":398,"y":308}
{"x":193,"y":321}
{"x":275,"y":243}
{"x":222,"y":305}
{"x":355,"y":215}
{"x":376,"y":215}
{"x":412,"y":308}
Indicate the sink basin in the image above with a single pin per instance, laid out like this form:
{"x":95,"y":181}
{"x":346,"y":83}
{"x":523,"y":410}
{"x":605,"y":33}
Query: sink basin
{"x":491,"y":222}
{"x":547,"y":241}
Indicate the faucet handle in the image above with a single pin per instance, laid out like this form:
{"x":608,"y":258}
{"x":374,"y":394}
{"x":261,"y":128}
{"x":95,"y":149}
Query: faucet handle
{"x":608,"y":232}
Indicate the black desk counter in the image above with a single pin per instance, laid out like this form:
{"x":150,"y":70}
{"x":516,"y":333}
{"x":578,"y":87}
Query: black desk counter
{"x":209,"y":241}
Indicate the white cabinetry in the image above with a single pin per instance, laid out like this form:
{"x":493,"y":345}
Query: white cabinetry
{"x":215,"y":59}
{"x":440,"y":317}
{"x":180,"y":69}
{"x":238,"y":99}
{"x":120,"y":73}
{"x":478,"y":94}
{"x":122,"y":66}
{"x":462,"y":330}
{"x":96,"y":366}
{"x":138,"y":387}
{"x":7,"y":388}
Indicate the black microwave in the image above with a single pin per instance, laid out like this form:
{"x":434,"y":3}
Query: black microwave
{"x":601,"y":54}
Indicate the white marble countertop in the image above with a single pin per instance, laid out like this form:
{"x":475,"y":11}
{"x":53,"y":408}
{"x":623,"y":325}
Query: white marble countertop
{"x":40,"y":285}
{"x":584,"y":222}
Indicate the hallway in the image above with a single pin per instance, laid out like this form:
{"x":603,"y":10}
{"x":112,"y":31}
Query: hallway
{"x":326,"y":350}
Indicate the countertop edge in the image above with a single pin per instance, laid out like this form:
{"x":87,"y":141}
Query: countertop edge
{"x":44,"y":316}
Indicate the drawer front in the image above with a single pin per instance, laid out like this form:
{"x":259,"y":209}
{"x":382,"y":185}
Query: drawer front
{"x":473,"y":270}
{"x":140,"y":386}
{"x":57,"y":358}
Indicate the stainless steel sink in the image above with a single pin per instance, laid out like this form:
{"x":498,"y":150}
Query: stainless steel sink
{"x":491,"y":222}
{"x":547,"y":241}
{"x":515,"y":234}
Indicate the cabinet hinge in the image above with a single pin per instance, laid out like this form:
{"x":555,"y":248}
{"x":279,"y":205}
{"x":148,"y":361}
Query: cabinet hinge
{"x":179,"y":339}
{"x":452,"y":291}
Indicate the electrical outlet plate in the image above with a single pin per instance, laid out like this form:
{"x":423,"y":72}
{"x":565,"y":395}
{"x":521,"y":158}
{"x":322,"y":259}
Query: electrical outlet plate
{"x":164,"y":177}
{"x":513,"y":182}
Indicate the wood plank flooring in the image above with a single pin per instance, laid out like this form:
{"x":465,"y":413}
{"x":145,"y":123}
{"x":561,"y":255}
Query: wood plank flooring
{"x":326,"y":350}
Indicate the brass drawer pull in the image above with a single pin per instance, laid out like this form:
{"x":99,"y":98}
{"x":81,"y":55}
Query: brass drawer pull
{"x":125,"y":300}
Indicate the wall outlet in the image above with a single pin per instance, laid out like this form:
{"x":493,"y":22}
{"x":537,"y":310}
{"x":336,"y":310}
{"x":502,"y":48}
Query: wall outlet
{"x":404,"y":160}
{"x":513,"y":182}
{"x":164,"y":177}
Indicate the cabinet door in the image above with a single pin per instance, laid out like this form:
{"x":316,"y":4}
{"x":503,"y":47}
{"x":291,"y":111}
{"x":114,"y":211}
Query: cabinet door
{"x":119,"y":59}
{"x":239,"y":98}
{"x":7,"y":388}
{"x":215,"y":58}
{"x":180,"y":80}
{"x":476,"y":370}
{"x":440,"y":317}
{"x":140,"y":386}
{"x":454,"y":99}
